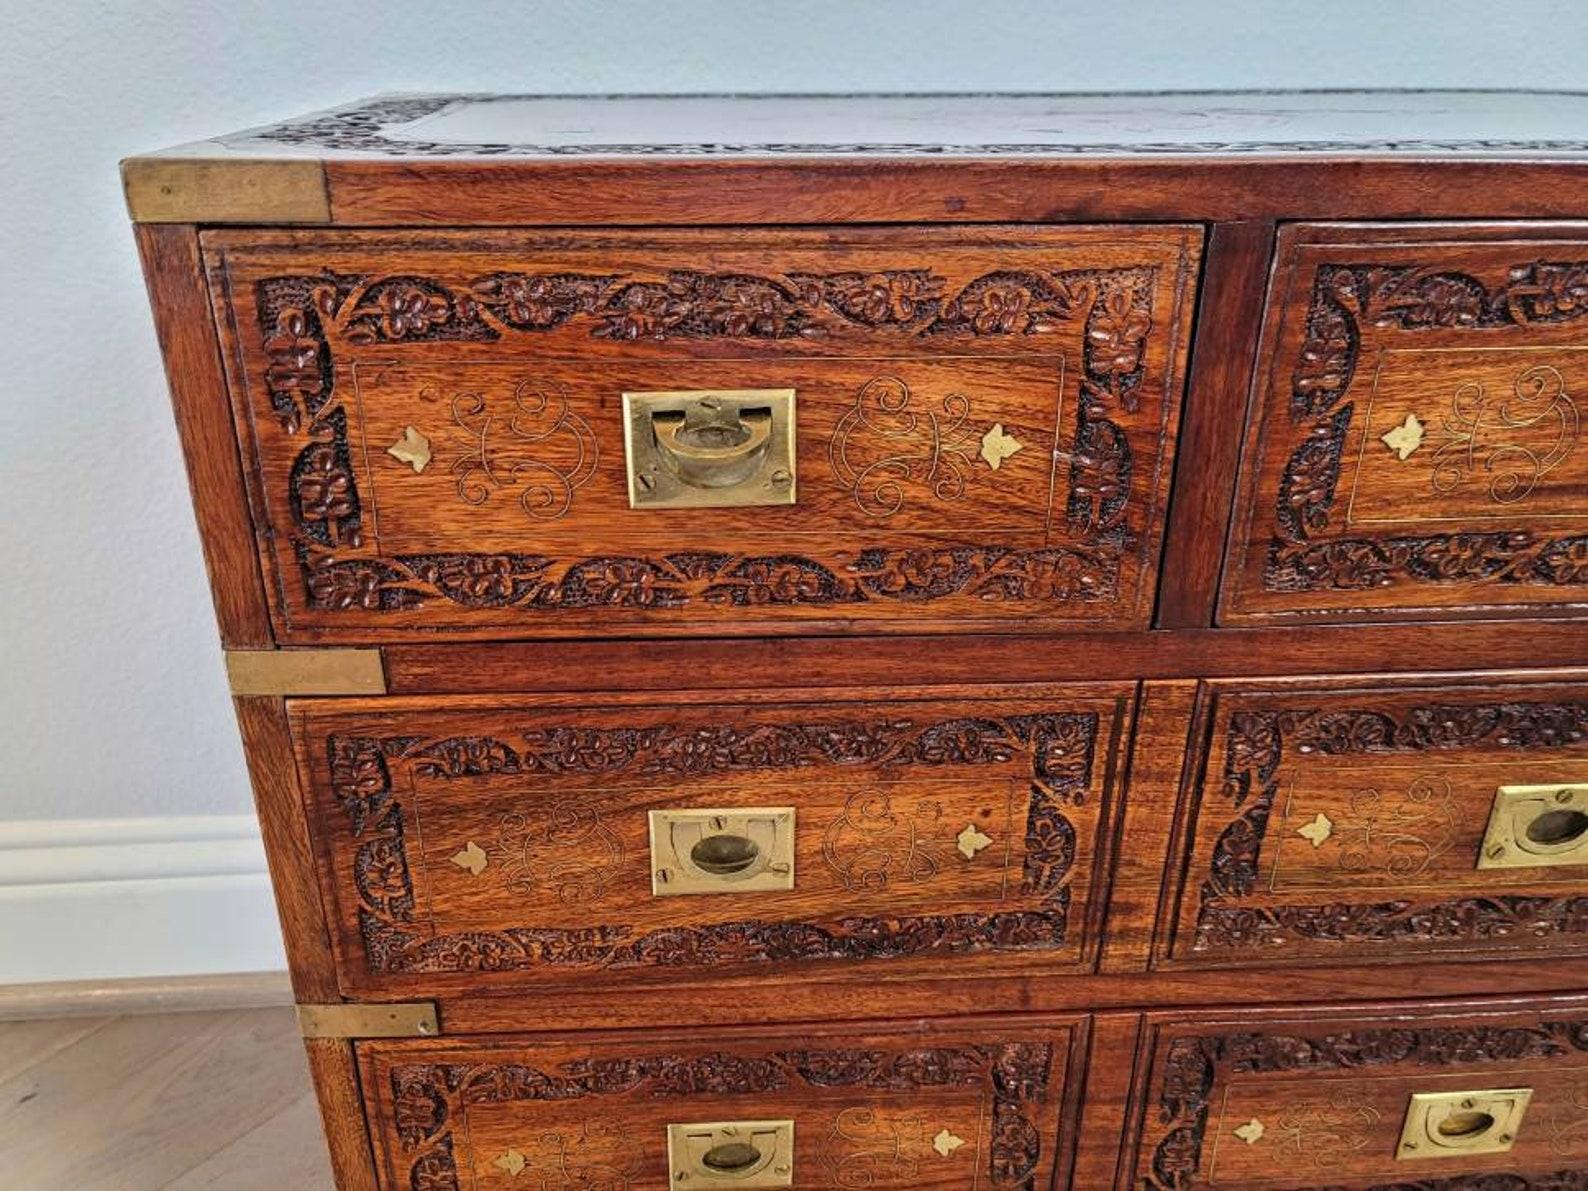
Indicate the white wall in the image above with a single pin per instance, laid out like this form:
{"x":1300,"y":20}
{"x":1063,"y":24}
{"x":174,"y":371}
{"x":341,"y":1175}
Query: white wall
{"x":111,"y":698}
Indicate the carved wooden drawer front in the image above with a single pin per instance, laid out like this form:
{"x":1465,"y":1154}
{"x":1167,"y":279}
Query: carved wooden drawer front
{"x":1324,"y":1099}
{"x":1416,"y":442}
{"x":983,"y":425}
{"x":472,"y":844}
{"x":1335,"y":821}
{"x":973,"y":1106}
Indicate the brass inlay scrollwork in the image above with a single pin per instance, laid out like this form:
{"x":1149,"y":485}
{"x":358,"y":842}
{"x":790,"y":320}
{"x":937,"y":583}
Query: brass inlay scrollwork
{"x":1400,"y":835}
{"x":865,"y":1148}
{"x":1517,"y":440}
{"x":569,"y":850}
{"x":1568,"y":1123}
{"x":559,"y":1162}
{"x":1320,"y":1131}
{"x":529,"y":446}
{"x":1388,"y":833}
{"x":882,"y":448}
{"x":871,"y":844}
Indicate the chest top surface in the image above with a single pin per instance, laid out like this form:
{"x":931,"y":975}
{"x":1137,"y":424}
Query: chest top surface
{"x":1217,"y":123}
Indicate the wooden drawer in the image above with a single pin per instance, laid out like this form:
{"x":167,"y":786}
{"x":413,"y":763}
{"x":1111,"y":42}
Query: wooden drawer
{"x":1415,"y":445}
{"x":1351,"y":821}
{"x":470,"y":844}
{"x":983,"y":425}
{"x":960,"y":1107}
{"x":1323,"y":1098}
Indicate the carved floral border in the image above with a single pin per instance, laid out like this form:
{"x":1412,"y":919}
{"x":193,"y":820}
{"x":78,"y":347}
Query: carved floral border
{"x":1345,"y":299}
{"x":1190,"y":1065}
{"x":367,"y":128}
{"x":429,"y":1098}
{"x":1255,"y":747}
{"x":1060,"y":748}
{"x":298,"y":313}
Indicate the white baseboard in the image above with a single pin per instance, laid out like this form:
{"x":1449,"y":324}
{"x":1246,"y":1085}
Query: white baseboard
{"x":114,"y":899}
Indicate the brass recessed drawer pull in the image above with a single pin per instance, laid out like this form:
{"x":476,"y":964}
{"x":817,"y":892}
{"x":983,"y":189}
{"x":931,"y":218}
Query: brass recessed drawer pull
{"x":704,"y":448}
{"x":737,"y":850}
{"x":1536,"y":826}
{"x":1460,"y":1124}
{"x":730,"y":1154}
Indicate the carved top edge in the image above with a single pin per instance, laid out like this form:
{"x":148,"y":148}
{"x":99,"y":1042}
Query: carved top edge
{"x":1252,"y":123}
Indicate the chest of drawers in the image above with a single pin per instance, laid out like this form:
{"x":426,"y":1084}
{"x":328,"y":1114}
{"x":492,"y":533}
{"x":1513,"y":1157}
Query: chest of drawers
{"x":1037,"y":642}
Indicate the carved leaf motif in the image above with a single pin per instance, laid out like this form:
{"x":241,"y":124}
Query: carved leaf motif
{"x":1319,"y":829}
{"x":413,"y":448}
{"x":998,"y":445}
{"x":1251,"y":1132}
{"x":1405,"y":438}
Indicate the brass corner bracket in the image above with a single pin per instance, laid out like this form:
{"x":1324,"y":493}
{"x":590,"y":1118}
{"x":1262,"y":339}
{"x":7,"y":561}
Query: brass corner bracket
{"x":414,"y":1019}
{"x":306,"y":671}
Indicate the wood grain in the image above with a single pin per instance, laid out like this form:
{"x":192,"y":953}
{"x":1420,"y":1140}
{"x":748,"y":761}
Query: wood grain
{"x":806,"y":664}
{"x":373,"y":194}
{"x":336,"y":1084}
{"x":1234,"y":280}
{"x":909,"y":650}
{"x":1141,"y":843}
{"x":273,"y":772}
{"x":1113,"y":1055}
{"x":173,"y":272}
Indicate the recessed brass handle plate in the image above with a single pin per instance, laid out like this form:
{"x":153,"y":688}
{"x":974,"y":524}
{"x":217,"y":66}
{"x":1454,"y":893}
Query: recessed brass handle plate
{"x":730,"y":1154}
{"x":725,"y":850}
{"x":1536,"y":827}
{"x":1460,"y":1124}
{"x":709,"y":448}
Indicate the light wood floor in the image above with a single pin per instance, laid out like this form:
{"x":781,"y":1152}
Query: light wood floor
{"x":181,"y":1100}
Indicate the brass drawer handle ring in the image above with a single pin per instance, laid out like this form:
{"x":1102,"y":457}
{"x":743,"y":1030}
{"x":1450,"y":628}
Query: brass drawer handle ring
{"x":710,"y":448}
{"x":730,"y":850}
{"x":1536,"y":827}
{"x":748,"y":1154}
{"x":1460,"y":1124}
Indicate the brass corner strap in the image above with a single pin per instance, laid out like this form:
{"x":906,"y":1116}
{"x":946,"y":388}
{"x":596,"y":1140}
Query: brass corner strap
{"x":198,"y":188}
{"x":412,"y":1019}
{"x":306,"y":671}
